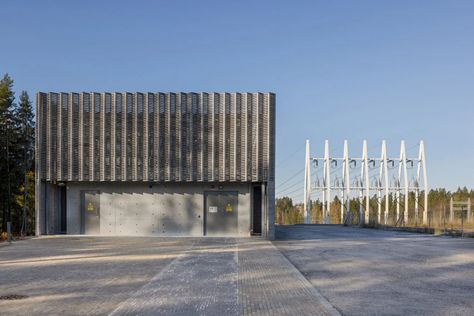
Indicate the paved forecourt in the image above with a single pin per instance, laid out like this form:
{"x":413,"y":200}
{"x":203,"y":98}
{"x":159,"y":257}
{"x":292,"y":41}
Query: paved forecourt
{"x":375,"y":272}
{"x":150,"y":276}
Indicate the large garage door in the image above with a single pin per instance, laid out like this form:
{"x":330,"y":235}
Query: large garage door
{"x":221,"y":213}
{"x":144,"y":214}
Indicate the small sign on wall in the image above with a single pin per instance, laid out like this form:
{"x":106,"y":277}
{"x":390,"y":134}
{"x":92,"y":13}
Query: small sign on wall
{"x":212,"y":209}
{"x":90,"y":207}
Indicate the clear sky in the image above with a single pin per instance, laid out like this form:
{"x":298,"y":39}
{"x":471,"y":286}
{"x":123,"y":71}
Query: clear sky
{"x":341,"y":69}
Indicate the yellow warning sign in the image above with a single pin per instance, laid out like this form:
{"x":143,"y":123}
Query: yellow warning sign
{"x":90,"y":207}
{"x":228,"y":207}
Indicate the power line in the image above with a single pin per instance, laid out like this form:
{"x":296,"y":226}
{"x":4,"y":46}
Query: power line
{"x":294,"y":191}
{"x":290,"y":156}
{"x":288,"y":188}
{"x":292,"y":177}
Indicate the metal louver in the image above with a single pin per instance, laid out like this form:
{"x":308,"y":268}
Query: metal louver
{"x":197,"y":137}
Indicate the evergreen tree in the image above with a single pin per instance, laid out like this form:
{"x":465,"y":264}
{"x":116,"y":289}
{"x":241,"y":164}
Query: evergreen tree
{"x":7,"y":111}
{"x":26,"y":141}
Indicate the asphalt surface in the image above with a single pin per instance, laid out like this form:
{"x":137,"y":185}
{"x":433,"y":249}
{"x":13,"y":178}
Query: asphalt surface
{"x":374,"y":272}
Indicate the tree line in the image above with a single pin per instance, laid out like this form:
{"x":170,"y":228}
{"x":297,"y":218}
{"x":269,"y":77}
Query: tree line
{"x":17,"y":129}
{"x":287,"y":212}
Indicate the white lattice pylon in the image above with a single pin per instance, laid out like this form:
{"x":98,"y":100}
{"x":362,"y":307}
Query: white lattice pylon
{"x":402,"y":168}
{"x":307,"y":186}
{"x":362,"y":183}
{"x":346,"y":185}
{"x":421,"y":167}
{"x":326,"y":184}
{"x":365,"y":183}
{"x":383,"y":182}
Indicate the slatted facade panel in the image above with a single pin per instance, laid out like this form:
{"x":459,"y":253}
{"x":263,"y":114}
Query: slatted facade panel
{"x":162,"y":129}
{"x":96,"y":139}
{"x":84,"y":134}
{"x":107,"y":136}
{"x":118,"y":135}
{"x":206,"y":159}
{"x":217,"y":131}
{"x":156,"y":137}
{"x":150,"y":148}
{"x":63,"y":138}
{"x":75,"y":130}
{"x":52,"y":142}
{"x":271,"y":139}
{"x":139,"y":132}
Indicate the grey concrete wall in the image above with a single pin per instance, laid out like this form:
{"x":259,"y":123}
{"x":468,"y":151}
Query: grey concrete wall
{"x":170,"y":209}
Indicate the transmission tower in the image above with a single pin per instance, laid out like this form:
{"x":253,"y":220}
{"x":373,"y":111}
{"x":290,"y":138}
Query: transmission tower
{"x":361,"y":183}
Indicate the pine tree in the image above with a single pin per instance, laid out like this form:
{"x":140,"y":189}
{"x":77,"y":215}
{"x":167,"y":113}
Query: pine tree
{"x":26,"y":127}
{"x":7,"y":109}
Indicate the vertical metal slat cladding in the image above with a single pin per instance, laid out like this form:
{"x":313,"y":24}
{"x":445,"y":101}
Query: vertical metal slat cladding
{"x":46,"y":136}
{"x":271,"y":136}
{"x":128,"y":137}
{"x":150,"y":147}
{"x":96,"y":127}
{"x":261,"y":141}
{"x":138,"y":139}
{"x":190,"y":170}
{"x":223,"y":137}
{"x":265,"y":136}
{"x":227,"y":156}
{"x":102,"y":138}
{"x":216,"y":141}
{"x":107,"y":136}
{"x":53,"y":121}
{"x":210,"y":137}
{"x":255,"y":137}
{"x":232,"y":138}
{"x":84,"y":134}
{"x":64,"y":136}
{"x":182,"y":132}
{"x":156,"y":136}
{"x":160,"y":139}
{"x":59,"y":149}
{"x":196,"y":138}
{"x":205,"y":137}
{"x":75,"y":137}
{"x":118,"y":136}
{"x":70,"y":125}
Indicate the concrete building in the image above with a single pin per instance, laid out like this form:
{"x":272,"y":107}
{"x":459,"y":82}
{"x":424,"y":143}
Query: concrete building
{"x":164,"y":164}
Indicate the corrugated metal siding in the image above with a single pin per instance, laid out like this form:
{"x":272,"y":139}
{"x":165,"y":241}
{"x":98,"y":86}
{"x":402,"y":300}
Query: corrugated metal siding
{"x":194,"y":137}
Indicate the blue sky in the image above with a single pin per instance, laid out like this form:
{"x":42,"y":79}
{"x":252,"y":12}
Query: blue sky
{"x":341,"y":69}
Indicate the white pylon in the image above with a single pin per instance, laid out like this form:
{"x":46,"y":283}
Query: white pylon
{"x":402,"y":168}
{"x":361,"y":201}
{"x":307,"y":186}
{"x":383,"y":175}
{"x":364,"y":186}
{"x":346,"y":185}
{"x":326,"y":184}
{"x":365,"y":182}
{"x":421,"y":167}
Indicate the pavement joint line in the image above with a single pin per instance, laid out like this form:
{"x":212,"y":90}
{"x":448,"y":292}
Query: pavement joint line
{"x":136,"y":294}
{"x":153,"y":298}
{"x":329,"y":307}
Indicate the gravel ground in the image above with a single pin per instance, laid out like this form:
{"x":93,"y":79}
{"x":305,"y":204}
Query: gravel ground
{"x":373,"y":272}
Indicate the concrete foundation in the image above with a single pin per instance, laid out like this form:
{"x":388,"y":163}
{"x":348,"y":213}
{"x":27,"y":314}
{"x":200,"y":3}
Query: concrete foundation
{"x":140,"y":209}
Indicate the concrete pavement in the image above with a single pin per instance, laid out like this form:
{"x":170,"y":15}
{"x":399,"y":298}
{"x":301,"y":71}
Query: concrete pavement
{"x":374,"y":272}
{"x":154,"y":276}
{"x":316,"y":270}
